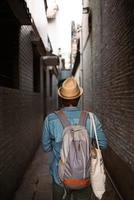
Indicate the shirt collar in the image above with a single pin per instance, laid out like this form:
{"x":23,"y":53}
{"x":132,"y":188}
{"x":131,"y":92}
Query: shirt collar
{"x":71,"y":108}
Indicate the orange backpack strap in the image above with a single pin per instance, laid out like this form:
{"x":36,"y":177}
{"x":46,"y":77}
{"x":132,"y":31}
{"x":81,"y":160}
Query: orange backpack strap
{"x":63,"y":118}
{"x":83,"y":118}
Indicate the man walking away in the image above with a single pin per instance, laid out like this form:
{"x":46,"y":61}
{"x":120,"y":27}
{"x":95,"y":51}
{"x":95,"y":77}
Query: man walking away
{"x":53,"y":139}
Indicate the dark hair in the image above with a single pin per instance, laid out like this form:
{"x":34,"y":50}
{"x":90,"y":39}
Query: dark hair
{"x":68,"y":102}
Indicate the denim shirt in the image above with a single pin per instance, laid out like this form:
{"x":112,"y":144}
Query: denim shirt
{"x":53,"y":134}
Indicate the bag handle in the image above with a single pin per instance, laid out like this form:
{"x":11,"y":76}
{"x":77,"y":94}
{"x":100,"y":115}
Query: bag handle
{"x":83,"y":118}
{"x":92,"y":124}
{"x":61,"y":115}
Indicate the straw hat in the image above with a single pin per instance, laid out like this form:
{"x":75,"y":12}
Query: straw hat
{"x":70,"y":89}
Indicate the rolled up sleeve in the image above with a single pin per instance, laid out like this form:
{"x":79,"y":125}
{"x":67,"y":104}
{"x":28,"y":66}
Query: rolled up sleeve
{"x":46,"y":139}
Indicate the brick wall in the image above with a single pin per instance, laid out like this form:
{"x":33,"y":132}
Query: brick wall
{"x":109,"y":62}
{"x":91,"y":57}
{"x":118,"y":76}
{"x":21,"y":116}
{"x":26,"y":59}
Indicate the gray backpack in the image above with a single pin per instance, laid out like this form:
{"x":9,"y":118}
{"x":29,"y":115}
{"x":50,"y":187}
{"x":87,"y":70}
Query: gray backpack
{"x":74,"y":164}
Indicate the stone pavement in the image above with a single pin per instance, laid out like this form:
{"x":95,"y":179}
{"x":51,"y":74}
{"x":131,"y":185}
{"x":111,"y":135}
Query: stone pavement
{"x":36,"y":183}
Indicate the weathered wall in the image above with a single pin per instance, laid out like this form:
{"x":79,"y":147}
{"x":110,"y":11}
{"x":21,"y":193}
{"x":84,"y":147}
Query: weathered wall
{"x":91,"y":56}
{"x":111,"y":73}
{"x":21,"y":116}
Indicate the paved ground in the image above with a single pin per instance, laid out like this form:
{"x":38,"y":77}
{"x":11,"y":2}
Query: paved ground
{"x":36,"y":184}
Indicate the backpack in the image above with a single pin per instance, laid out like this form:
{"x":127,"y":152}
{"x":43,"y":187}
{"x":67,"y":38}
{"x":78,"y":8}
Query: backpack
{"x":74,"y":164}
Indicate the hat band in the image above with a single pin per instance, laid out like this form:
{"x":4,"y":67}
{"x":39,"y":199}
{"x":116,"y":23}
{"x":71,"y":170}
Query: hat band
{"x":70,"y":96}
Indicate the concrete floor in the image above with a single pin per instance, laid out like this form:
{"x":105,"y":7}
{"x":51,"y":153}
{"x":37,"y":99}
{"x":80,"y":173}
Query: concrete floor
{"x":36,"y":184}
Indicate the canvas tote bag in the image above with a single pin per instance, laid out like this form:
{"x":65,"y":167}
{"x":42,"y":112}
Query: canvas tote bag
{"x":97,"y":174}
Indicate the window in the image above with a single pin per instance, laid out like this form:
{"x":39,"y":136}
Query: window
{"x":9,"y":34}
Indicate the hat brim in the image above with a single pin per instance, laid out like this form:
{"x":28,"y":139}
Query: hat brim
{"x":71,"y":97}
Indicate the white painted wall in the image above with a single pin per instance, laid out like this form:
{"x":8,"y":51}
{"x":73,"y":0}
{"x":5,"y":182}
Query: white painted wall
{"x":37,"y":10}
{"x":59,"y":29}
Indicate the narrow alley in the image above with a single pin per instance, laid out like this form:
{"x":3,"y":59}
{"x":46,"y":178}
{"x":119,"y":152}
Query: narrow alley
{"x":42,"y":44}
{"x":36,"y":184}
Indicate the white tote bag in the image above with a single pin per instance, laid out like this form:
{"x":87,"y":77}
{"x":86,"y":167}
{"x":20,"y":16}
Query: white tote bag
{"x":97,"y":174}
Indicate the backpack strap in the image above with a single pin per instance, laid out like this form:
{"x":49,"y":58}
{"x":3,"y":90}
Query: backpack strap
{"x":83,"y":118}
{"x":63,"y":118}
